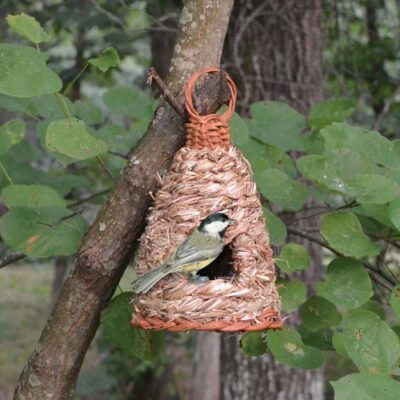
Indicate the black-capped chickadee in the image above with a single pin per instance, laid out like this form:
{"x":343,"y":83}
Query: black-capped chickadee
{"x":197,"y":251}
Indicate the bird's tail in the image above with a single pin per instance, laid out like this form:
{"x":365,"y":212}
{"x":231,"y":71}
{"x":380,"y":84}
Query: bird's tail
{"x":149,"y":279}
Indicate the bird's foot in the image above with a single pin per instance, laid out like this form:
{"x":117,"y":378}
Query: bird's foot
{"x":197,"y":278}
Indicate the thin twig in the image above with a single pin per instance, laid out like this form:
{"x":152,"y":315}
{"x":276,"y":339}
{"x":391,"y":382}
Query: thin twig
{"x":60,"y":220}
{"x":10,"y":259}
{"x":376,"y":276}
{"x":165,"y":92}
{"x":92,"y":196}
{"x":109,"y":15}
{"x":325,"y":211}
{"x":10,"y":181}
{"x":115,"y":153}
{"x":75,"y":79}
{"x":103,"y":166}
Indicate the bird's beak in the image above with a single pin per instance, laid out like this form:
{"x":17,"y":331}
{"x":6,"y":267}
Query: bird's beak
{"x":232,"y":222}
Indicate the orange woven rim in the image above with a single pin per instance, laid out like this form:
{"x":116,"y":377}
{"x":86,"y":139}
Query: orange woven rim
{"x":208,"y":131}
{"x":269,"y":319}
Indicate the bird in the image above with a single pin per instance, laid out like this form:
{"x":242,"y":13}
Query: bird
{"x":197,"y":251}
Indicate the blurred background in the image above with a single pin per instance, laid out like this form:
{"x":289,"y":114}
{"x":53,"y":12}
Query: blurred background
{"x":294,"y":51}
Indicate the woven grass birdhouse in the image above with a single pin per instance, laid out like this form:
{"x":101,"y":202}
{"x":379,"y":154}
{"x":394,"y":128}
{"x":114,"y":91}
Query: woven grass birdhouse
{"x":208,"y":175}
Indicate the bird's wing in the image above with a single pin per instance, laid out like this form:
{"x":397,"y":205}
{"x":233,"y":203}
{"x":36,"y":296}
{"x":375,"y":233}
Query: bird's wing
{"x":196,"y":247}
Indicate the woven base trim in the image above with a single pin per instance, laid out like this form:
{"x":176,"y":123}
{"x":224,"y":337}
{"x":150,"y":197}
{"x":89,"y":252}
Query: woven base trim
{"x":269,"y":319}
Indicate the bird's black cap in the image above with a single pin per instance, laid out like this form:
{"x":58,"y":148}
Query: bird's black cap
{"x":214,"y":218}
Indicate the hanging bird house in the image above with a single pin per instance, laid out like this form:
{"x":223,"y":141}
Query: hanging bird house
{"x":208,"y":175}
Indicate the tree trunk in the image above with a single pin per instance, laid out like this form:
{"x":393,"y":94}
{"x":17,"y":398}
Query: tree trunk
{"x":60,"y":269}
{"x":52,"y":370}
{"x":206,"y":371}
{"x":273,"y":50}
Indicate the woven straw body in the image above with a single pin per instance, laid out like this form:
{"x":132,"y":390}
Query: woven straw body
{"x":201,"y":182}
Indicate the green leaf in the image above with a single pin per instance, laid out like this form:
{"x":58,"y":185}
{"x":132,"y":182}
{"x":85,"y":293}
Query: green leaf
{"x":293,"y":257}
{"x":336,"y":170}
{"x":347,"y":283}
{"x":110,"y":133}
{"x":371,"y":344}
{"x":321,"y":339}
{"x":394,"y":213}
{"x":342,"y":230}
{"x":115,"y":322}
{"x":292,"y":293}
{"x":12,"y":132}
{"x":25,"y":152}
{"x":17,"y":104}
{"x":377,"y":148}
{"x":338,"y":344}
{"x":23,"y":72}
{"x":253,"y":343}
{"x":371,"y":144}
{"x":395,"y":300}
{"x":378,"y":212}
{"x":276,"y":228}
{"x":42,"y":232}
{"x":31,"y":196}
{"x":70,"y":137}
{"x":109,"y":58}
{"x":88,"y":112}
{"x":287,"y":348}
{"x":263,"y":156}
{"x":328,"y":111}
{"x":48,"y":107}
{"x":28,"y":27}
{"x":277,"y":124}
{"x":239,"y":131}
{"x":373,"y":306}
{"x":279,"y":188}
{"x":318,"y":313}
{"x":341,"y":135}
{"x":24,"y":174}
{"x":376,"y":189}
{"x":130,"y":102}
{"x":41,"y":129}
{"x":366,"y":387}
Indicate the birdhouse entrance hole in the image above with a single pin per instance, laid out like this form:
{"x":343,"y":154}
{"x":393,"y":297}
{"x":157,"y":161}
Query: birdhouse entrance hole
{"x":221,"y":267}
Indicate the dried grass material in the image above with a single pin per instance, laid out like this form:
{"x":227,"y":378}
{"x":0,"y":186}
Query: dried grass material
{"x":201,"y":182}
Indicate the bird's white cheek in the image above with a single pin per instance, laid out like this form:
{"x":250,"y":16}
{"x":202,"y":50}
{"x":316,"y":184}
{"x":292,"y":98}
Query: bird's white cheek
{"x":214,"y":228}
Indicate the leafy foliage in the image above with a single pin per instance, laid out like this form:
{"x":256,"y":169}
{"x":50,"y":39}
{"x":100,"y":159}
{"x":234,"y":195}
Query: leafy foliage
{"x":347,"y":283}
{"x":70,"y":137}
{"x":293,"y":257}
{"x":135,"y":342}
{"x":371,"y":344}
{"x":288,"y":348}
{"x":53,"y":153}
{"x":109,"y":58}
{"x":23,"y":72}
{"x":28,"y":27}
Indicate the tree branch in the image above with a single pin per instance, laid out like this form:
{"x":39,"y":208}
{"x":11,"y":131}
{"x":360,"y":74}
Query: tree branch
{"x":165,"y":92}
{"x":53,"y":368}
{"x":10,"y":259}
{"x":376,"y":275}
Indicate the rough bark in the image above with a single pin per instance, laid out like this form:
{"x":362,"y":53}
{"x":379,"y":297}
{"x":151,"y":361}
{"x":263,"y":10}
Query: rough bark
{"x":205,"y":381}
{"x":52,"y":370}
{"x":274,"y":52}
{"x":162,"y":33}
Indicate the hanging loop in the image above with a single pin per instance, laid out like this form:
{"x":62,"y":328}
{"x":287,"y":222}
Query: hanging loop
{"x":208,"y":131}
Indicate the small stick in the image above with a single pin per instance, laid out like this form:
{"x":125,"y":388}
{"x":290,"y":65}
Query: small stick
{"x":11,"y":258}
{"x":165,"y":92}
